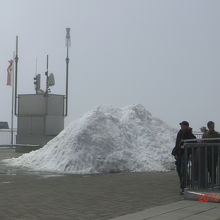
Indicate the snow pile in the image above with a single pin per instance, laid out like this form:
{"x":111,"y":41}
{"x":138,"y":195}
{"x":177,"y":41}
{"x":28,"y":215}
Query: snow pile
{"x":106,"y":139}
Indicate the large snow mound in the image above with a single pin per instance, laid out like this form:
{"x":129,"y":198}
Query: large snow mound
{"x":106,"y":139}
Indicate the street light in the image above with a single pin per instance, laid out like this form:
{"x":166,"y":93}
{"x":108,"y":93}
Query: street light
{"x":68,"y":39}
{"x":68,"y":44}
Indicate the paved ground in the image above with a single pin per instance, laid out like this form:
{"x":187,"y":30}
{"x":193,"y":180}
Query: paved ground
{"x":27,"y":195}
{"x":187,"y":210}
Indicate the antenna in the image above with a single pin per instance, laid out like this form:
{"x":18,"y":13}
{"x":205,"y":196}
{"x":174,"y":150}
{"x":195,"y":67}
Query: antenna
{"x":46,"y":74}
{"x":50,"y":80}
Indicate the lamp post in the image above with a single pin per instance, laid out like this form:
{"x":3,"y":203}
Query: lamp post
{"x":68,"y":44}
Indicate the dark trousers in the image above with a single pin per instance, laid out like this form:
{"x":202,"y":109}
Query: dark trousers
{"x":181,"y":170}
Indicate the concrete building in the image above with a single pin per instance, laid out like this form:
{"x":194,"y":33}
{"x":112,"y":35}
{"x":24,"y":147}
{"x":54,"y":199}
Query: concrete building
{"x":40,"y":118}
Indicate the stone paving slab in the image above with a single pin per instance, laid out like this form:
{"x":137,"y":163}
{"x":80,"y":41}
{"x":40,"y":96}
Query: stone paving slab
{"x":189,"y":210}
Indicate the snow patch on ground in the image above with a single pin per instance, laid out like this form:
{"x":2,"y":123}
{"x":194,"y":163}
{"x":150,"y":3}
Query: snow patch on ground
{"x":106,"y":139}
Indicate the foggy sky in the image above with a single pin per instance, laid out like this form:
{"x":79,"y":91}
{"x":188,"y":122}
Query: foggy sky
{"x":164,"y":54}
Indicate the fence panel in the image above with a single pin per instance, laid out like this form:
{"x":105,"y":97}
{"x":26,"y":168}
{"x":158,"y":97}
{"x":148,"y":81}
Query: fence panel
{"x":202,"y":164}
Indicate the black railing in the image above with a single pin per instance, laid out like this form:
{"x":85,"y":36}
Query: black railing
{"x":202,"y":164}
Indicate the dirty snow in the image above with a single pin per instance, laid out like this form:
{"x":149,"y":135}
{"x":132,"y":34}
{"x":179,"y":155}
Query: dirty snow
{"x":106,"y":139}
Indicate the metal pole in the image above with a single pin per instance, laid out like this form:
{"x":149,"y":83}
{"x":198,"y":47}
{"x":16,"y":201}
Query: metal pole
{"x":218,"y":166}
{"x":12,"y":107}
{"x":186,"y":184}
{"x":193,"y":167}
{"x":199,"y":167}
{"x":206,"y":166}
{"x":46,"y":73}
{"x":68,"y":43}
{"x":16,"y":75}
{"x":212,"y":167}
{"x":67,"y":79}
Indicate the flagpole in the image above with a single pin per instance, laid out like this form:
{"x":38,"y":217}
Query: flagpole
{"x":16,"y":76}
{"x":12,"y":105}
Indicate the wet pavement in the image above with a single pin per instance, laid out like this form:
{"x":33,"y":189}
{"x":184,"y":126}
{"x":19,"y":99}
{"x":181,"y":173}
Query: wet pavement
{"x":185,"y":209}
{"x":41,"y":195}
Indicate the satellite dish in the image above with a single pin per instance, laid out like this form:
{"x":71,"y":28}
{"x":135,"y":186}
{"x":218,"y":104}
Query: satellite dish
{"x":51,"y":80}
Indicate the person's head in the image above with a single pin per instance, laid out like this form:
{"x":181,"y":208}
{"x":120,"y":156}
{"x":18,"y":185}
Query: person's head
{"x":184,"y":125}
{"x":211,"y":126}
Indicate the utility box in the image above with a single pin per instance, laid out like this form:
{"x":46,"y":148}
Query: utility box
{"x":40,"y":118}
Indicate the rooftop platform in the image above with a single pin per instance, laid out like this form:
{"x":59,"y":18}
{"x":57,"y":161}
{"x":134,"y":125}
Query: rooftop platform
{"x":187,"y":210}
{"x":29,"y":194}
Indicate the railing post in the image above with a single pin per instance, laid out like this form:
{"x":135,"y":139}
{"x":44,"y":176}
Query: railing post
{"x":218,"y":166}
{"x":212,"y":167}
{"x":193,"y":167}
{"x":185,"y":165}
{"x":206,"y":173}
{"x":199,"y":154}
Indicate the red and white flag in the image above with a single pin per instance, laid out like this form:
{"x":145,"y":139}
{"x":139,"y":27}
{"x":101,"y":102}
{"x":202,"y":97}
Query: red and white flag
{"x":10,"y":73}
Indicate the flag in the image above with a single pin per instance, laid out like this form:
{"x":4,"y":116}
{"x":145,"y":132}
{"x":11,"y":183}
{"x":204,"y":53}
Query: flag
{"x":10,"y":73}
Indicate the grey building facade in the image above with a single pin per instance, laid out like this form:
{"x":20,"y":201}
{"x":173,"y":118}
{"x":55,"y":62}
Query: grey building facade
{"x":40,"y":118}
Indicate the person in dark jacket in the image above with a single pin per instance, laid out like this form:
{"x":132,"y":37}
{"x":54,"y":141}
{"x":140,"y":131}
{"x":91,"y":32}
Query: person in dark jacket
{"x":212,"y":159}
{"x":185,"y":133}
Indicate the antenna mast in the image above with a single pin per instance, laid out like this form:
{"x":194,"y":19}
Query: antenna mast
{"x":47,"y":77}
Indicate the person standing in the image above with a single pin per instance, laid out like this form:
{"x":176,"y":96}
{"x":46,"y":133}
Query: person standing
{"x":211,"y":132}
{"x":178,"y":151}
{"x":212,"y":165}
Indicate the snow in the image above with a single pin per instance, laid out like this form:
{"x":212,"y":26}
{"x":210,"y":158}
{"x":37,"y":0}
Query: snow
{"x":106,"y":139}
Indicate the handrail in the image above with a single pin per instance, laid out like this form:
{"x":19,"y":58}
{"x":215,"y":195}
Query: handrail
{"x":200,"y":140}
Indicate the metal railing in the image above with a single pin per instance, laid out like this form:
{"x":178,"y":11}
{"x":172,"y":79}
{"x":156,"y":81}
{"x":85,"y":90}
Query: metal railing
{"x":202,"y":164}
